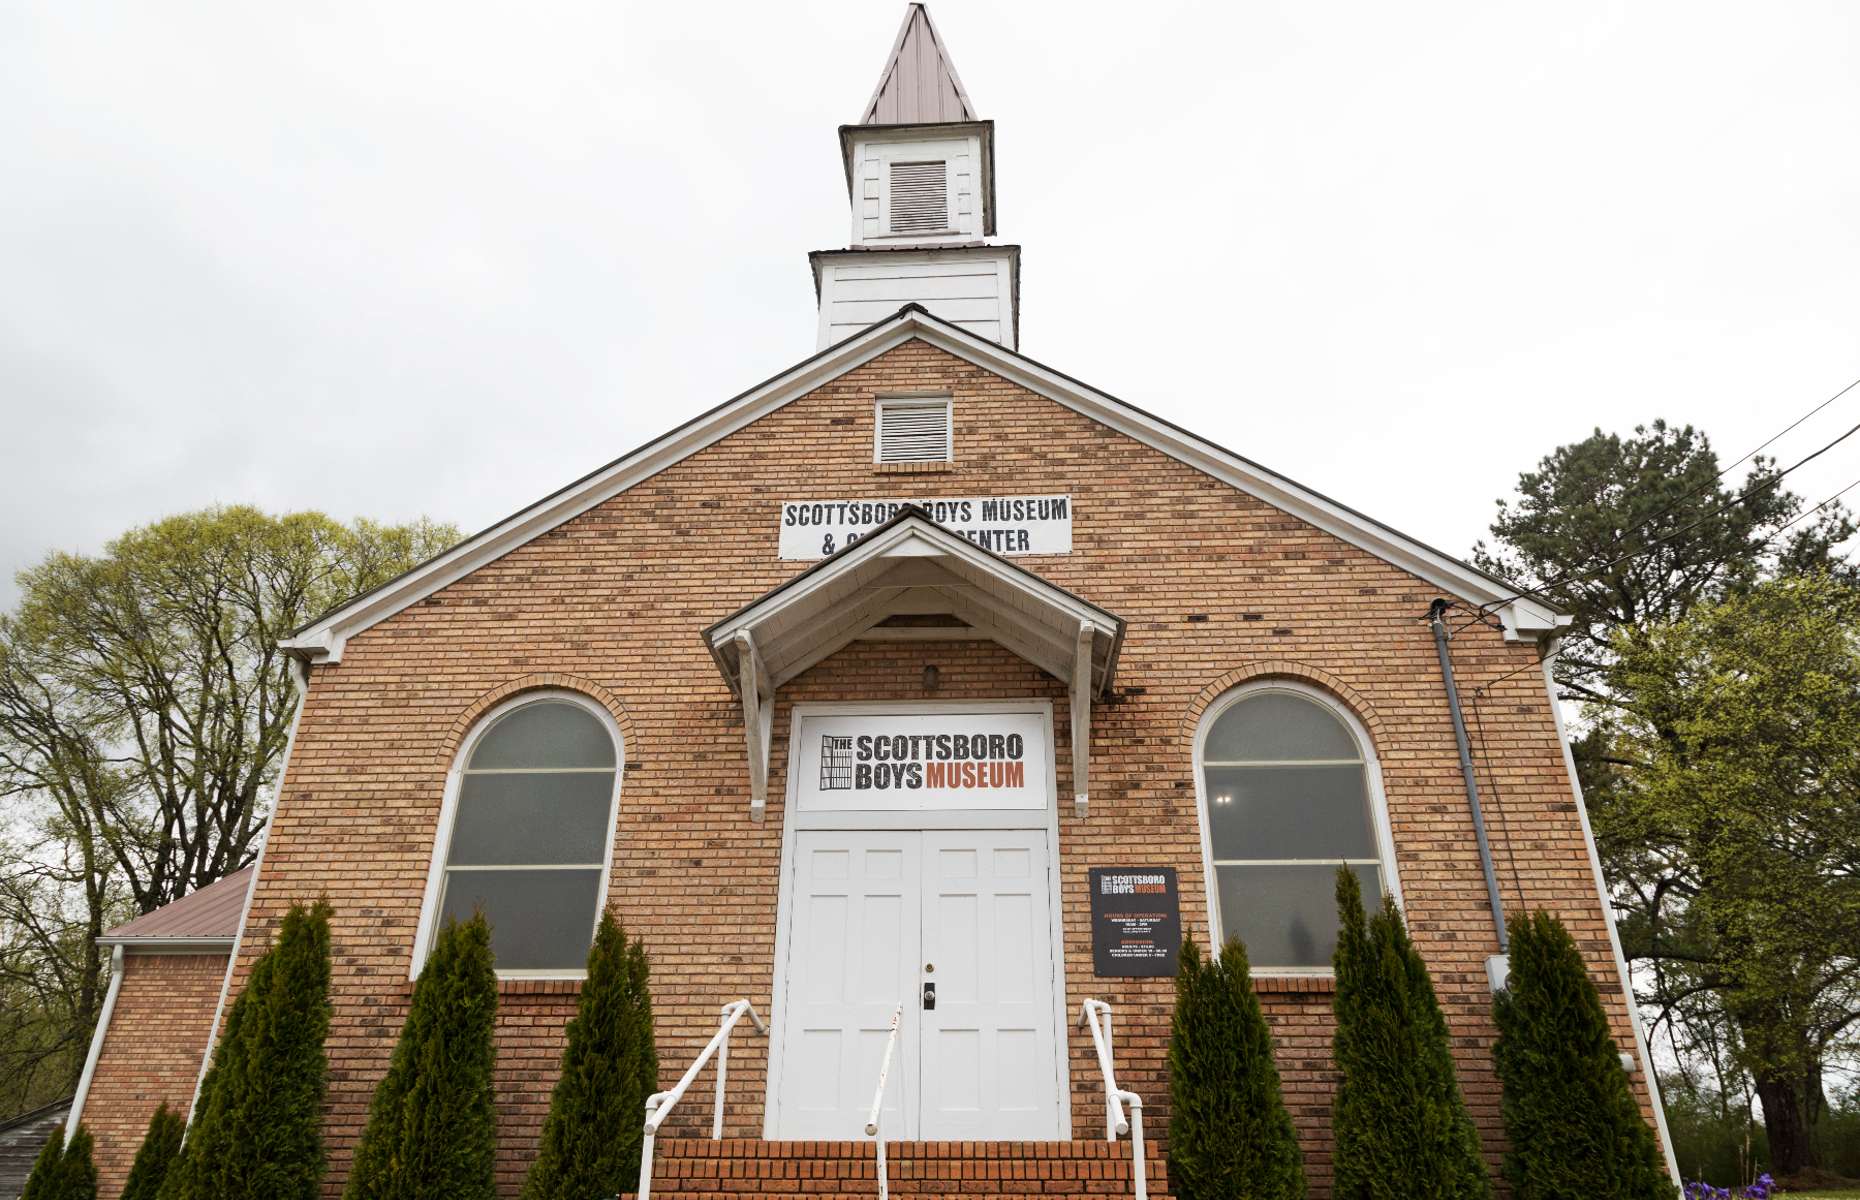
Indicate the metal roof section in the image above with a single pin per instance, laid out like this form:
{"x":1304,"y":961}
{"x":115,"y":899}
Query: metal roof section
{"x":919,"y":85}
{"x":205,"y":917}
{"x":1525,"y":617}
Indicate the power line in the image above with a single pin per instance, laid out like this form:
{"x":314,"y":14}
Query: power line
{"x":1811,"y":512}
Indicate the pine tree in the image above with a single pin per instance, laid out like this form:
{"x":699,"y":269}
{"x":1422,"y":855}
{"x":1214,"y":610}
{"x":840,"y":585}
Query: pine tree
{"x":161,"y":1145}
{"x":1400,"y":1124}
{"x":432,"y":1132}
{"x":45,"y":1181}
{"x":1575,"y":1129}
{"x":77,"y":1172}
{"x":591,"y":1139}
{"x":1230,"y":1136}
{"x":277,"y":1126}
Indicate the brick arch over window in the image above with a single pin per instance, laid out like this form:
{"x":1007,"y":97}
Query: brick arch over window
{"x":1279,"y":668}
{"x":541,"y":681}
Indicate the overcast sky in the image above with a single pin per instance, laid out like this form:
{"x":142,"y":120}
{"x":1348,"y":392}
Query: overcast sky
{"x":442,"y":258}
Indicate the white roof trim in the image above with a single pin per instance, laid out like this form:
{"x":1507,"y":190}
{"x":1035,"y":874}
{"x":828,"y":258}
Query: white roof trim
{"x":1525,"y":618}
{"x":912,"y":535}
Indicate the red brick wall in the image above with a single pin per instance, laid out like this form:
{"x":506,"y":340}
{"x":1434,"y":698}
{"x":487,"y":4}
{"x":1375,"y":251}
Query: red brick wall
{"x":151,"y":1053}
{"x":1217,"y":587}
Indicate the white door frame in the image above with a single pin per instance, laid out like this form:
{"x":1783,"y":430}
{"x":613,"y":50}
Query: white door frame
{"x":1046,"y":820}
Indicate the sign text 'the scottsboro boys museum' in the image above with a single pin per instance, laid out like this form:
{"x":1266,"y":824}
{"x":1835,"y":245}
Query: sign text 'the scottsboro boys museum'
{"x":919,"y":761}
{"x":1003,"y":524}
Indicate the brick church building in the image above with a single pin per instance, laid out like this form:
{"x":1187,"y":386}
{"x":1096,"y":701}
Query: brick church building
{"x":919,"y":678}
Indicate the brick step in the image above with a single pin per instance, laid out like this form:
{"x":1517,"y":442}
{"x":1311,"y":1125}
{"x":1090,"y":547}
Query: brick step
{"x":691,"y":1168}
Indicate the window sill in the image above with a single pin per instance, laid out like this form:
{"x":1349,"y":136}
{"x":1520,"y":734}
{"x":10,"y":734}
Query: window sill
{"x":913,"y":468}
{"x":530,"y":985}
{"x":1295,"y":984}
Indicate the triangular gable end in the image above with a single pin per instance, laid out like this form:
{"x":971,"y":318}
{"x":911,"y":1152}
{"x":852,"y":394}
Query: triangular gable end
{"x":1525,"y":618}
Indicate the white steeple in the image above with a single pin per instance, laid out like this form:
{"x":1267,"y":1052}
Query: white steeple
{"x":920,"y":173}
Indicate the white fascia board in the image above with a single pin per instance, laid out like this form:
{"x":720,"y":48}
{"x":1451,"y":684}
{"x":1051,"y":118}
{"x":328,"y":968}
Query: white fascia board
{"x":1525,"y":618}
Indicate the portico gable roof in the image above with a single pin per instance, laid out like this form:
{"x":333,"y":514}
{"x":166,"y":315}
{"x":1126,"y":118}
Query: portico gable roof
{"x":1525,"y":617}
{"x":911,"y":566}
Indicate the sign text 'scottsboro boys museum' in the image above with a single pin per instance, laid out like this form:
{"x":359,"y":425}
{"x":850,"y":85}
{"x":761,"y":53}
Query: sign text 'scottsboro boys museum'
{"x":843,"y":693}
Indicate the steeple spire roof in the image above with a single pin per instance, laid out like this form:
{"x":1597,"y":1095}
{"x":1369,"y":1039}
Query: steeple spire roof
{"x":919,"y":85}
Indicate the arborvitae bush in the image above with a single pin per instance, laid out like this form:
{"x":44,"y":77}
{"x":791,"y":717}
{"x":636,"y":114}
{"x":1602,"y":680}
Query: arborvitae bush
{"x":591,"y":1139}
{"x":160,"y":1146}
{"x":257,"y":1131}
{"x":1575,"y":1128}
{"x":1400,"y":1124}
{"x":199,"y":1173}
{"x":1230,"y":1136}
{"x":278,"y":1125}
{"x":432,"y":1131}
{"x":77,"y":1173}
{"x":45,"y":1182}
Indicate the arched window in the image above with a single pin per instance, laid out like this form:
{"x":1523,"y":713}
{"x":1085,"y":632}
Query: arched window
{"x":1288,"y":792}
{"x":527,"y":833}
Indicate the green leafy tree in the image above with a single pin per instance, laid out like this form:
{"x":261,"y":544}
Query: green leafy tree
{"x":1230,"y":1136}
{"x":432,"y":1131}
{"x":144,"y":705}
{"x":1575,"y":1128}
{"x":1741,"y":815}
{"x":591,"y":1139}
{"x":1400,"y":1123}
{"x":161,"y":1145}
{"x":45,"y":1181}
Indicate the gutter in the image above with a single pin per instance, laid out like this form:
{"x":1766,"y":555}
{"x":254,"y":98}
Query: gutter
{"x":96,"y":1043}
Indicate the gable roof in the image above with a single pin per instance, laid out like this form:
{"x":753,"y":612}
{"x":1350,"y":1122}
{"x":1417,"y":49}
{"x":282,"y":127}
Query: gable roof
{"x":207,"y":916}
{"x":912,"y":565}
{"x":919,"y":85}
{"x":1525,"y":617}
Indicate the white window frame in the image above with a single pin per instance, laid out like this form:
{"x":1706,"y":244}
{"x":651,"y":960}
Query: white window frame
{"x":442,"y":838}
{"x":1372,"y":778}
{"x":914,"y":400}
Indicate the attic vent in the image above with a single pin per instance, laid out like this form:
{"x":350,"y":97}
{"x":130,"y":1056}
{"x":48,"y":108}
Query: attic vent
{"x":914,"y":430}
{"x":919,"y":197}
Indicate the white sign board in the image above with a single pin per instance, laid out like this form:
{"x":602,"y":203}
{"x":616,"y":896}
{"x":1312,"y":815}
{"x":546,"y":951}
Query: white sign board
{"x":906,"y":762}
{"x":1003,"y":524}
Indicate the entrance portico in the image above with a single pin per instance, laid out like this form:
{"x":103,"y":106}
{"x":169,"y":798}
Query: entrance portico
{"x":920,"y":866}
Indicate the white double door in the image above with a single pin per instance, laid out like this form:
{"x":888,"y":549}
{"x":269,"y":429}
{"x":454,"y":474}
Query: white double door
{"x":879,"y":918}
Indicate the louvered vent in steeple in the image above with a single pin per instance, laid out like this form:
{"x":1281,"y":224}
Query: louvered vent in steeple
{"x":919,"y":197}
{"x":914,"y":429}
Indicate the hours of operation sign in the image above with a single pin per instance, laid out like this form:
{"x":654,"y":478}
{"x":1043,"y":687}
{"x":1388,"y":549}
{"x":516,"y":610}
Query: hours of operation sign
{"x":1136,"y":921}
{"x":1003,"y":524}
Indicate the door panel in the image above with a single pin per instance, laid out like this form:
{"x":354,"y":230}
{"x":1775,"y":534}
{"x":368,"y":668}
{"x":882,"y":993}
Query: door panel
{"x":855,"y":913}
{"x":873,"y":917}
{"x":989,"y":1048}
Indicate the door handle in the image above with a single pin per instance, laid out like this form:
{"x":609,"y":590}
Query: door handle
{"x":929,"y":996}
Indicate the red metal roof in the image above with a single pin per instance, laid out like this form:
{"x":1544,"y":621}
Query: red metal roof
{"x":211,"y":913}
{"x":919,"y":85}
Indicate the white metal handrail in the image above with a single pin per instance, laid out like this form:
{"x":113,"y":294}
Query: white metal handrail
{"x":1115,"y":1098}
{"x":872,"y":1120}
{"x":659,"y":1104}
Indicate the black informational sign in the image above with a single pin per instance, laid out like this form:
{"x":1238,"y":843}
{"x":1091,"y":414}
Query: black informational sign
{"x":1136,"y":921}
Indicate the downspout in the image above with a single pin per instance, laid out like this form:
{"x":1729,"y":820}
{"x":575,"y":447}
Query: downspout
{"x":96,"y":1042}
{"x":1495,"y":967}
